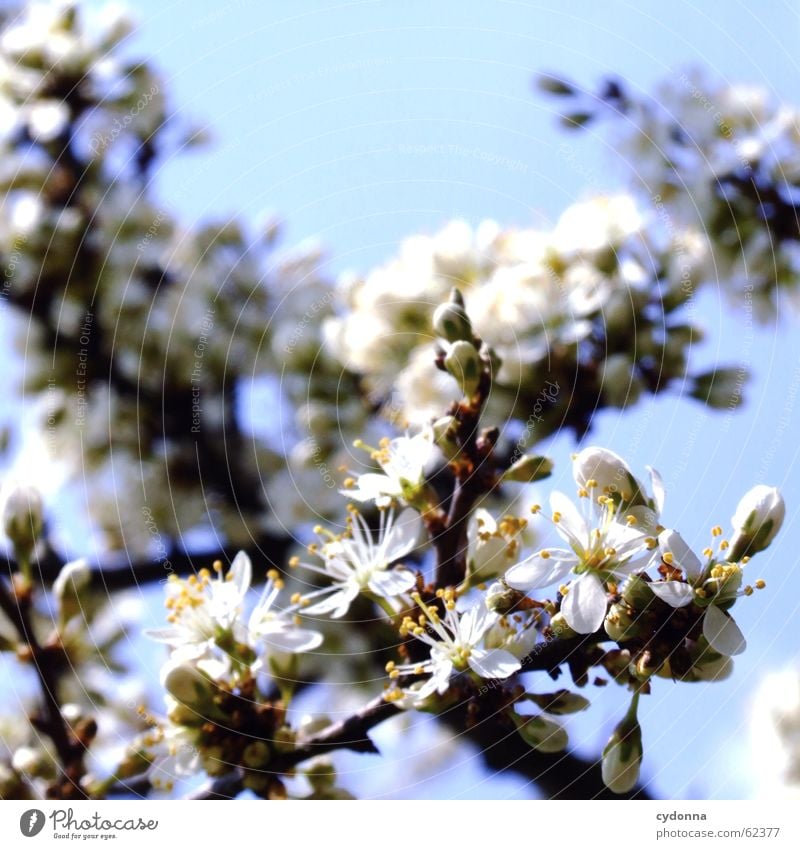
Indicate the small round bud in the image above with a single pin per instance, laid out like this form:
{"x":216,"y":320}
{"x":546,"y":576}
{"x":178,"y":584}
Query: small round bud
{"x":529,"y":469}
{"x":451,"y":322}
{"x":500,"y":598}
{"x":71,"y":581}
{"x":559,"y":626}
{"x":621,"y":623}
{"x":758,"y":518}
{"x":607,"y":473}
{"x":622,"y":756}
{"x":463,"y":363}
{"x":321,"y":774}
{"x":544,"y":735}
{"x":23,"y":518}
{"x":188,"y":685}
{"x":256,"y":755}
{"x":284,"y":739}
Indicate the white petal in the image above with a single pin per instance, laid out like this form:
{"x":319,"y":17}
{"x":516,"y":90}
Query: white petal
{"x":671,"y":542}
{"x":572,"y":525}
{"x":241,"y":572}
{"x":496,"y":663}
{"x":537,"y":571}
{"x":674,"y":593}
{"x":336,"y":604}
{"x":657,"y":485}
{"x":584,"y":606}
{"x":403,"y":536}
{"x":392,"y":582}
{"x":165,"y":635}
{"x":722,"y":632}
{"x":293,"y":640}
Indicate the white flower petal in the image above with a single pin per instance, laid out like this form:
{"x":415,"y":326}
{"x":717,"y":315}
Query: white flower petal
{"x":291,"y":640}
{"x":722,"y":632}
{"x":403,"y":536}
{"x":584,"y":606}
{"x":495,"y":663}
{"x":671,"y":542}
{"x":392,"y":582}
{"x":165,"y":635}
{"x":536,"y":571}
{"x":571,"y":526}
{"x":674,"y":593}
{"x":241,"y":572}
{"x":337,"y":604}
{"x":657,"y":486}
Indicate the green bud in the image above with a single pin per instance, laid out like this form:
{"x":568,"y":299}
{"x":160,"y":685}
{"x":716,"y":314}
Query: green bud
{"x":444,"y":430}
{"x":558,"y":625}
{"x":23,"y":519}
{"x":622,"y":756}
{"x":464,"y":365}
{"x":321,"y":774}
{"x":621,"y":623}
{"x":258,"y":782}
{"x":72,"y":580}
{"x":554,"y":85}
{"x":188,"y":685}
{"x":559,"y":703}
{"x":256,"y":755}
{"x":757,"y":520}
{"x":214,"y":761}
{"x":636,"y":592}
{"x":500,"y":598}
{"x":540,"y":733}
{"x":529,"y":469}
{"x":284,"y":740}
{"x":451,"y":322}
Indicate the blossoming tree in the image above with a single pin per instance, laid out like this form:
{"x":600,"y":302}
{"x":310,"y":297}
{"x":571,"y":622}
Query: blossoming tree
{"x":428,"y":578}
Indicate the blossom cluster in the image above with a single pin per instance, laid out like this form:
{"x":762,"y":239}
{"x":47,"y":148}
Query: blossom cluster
{"x":718,"y":163}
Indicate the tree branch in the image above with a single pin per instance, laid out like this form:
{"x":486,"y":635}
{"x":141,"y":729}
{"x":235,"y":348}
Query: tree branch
{"x":16,"y":606}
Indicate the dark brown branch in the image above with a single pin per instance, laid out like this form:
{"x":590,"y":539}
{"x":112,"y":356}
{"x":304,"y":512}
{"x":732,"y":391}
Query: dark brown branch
{"x":119,"y":571}
{"x":16,"y":606}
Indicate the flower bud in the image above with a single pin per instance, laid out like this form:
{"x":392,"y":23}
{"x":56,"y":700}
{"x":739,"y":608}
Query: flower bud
{"x":73,"y":578}
{"x":23,"y":518}
{"x":256,"y":755}
{"x":541,"y":734}
{"x":622,"y":756}
{"x":608,"y":471}
{"x":529,"y":469}
{"x":444,"y":430}
{"x":636,"y":593}
{"x":559,"y":626}
{"x":559,"y":703}
{"x":450,"y":320}
{"x":621,"y":623}
{"x":188,"y":685}
{"x":464,"y":365}
{"x":500,"y":598}
{"x":321,"y":774}
{"x":214,"y":761}
{"x":284,"y":739}
{"x":757,"y":520}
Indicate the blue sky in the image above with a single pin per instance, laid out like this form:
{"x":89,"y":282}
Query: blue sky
{"x":360,"y":123}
